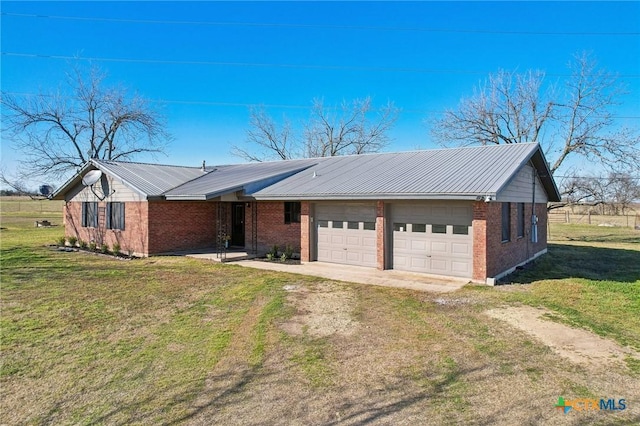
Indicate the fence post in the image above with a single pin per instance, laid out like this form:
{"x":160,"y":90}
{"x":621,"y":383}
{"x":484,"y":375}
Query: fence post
{"x":589,"y":217}
{"x":566,"y":219}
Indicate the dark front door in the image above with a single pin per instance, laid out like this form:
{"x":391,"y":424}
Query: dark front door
{"x":237,"y":224}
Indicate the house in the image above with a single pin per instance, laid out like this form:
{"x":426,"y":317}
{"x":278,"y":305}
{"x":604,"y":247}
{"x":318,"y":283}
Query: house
{"x":475,"y":212}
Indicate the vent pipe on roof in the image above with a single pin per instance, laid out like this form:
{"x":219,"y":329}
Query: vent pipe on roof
{"x":204,"y":168}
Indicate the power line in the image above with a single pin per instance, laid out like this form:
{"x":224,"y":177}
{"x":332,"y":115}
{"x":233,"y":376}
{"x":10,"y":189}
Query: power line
{"x":321,"y":26}
{"x":270,"y":65}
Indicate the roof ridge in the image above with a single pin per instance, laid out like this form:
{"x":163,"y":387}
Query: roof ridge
{"x":97,"y":160}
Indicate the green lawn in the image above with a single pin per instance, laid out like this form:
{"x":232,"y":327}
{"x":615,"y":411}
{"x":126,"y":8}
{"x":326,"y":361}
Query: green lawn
{"x":89,"y":339}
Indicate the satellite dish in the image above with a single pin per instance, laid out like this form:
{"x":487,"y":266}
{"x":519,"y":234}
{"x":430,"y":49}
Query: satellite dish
{"x":91,"y":177}
{"x":46,"y":190}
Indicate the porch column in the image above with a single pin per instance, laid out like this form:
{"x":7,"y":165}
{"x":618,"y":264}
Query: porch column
{"x":305,"y":230}
{"x":479,"y":227}
{"x":380,"y":236}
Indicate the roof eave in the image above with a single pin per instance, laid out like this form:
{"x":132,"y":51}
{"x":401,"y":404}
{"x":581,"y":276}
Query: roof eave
{"x":373,"y":197}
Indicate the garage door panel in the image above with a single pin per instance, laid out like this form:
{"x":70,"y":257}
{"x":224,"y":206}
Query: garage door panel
{"x":439,"y":266}
{"x":337,"y":239}
{"x":460,"y":248}
{"x":439,"y":247}
{"x":369,"y":242}
{"x":461,"y":267}
{"x":353,"y":240}
{"x":420,"y":263}
{"x":419,"y":244}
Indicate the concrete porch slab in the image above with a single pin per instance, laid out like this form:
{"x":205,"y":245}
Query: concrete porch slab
{"x":210,"y":254}
{"x":363,"y":275}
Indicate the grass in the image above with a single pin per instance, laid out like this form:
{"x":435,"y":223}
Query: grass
{"x":169,"y":340}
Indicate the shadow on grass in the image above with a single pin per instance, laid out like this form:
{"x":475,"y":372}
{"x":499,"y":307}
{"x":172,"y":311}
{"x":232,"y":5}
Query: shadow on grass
{"x":592,"y":263}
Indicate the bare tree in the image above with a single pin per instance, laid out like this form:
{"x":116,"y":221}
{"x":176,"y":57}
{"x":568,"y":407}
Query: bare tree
{"x":350,"y":128}
{"x":270,"y":140}
{"x":58,"y":133}
{"x":573,"y":122}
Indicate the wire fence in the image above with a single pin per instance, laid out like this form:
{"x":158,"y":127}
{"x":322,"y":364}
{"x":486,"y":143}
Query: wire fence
{"x":588,"y":218}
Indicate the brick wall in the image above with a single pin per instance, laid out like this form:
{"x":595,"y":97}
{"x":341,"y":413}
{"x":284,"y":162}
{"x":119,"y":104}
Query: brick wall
{"x":181,"y":225}
{"x":271,"y":227}
{"x":492,"y":256}
{"x":133,"y":239}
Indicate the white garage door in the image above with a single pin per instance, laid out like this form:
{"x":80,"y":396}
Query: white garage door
{"x":433,"y":237}
{"x":346,"y":233}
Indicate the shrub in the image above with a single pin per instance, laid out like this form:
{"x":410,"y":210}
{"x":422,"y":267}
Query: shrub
{"x":104,"y":248}
{"x":283,"y":257}
{"x":269,"y":256}
{"x":116,"y":248}
{"x":274,"y":251}
{"x":92,"y":246}
{"x":288,"y":252}
{"x":62,"y":241}
{"x":73,"y":241}
{"x":83,"y":244}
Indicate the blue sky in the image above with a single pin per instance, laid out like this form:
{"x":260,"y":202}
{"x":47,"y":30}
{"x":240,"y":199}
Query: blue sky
{"x":209,"y":61}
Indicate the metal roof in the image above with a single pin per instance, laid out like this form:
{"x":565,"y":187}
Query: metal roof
{"x":249,"y":177}
{"x":457,"y":173}
{"x":152,"y":180}
{"x":461,"y":173}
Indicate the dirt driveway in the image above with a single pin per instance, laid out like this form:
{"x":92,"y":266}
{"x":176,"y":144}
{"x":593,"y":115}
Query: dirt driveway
{"x":357,"y":354}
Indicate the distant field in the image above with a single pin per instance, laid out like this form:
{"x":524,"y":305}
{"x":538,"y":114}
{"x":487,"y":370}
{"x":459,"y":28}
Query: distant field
{"x":89,"y":339}
{"x":23,"y":210}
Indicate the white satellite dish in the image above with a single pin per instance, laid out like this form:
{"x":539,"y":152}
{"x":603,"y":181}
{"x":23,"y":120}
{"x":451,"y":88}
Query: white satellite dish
{"x":91,"y":177}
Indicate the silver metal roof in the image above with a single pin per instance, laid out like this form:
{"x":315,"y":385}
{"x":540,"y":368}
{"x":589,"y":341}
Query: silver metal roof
{"x":460,"y":173}
{"x":249,"y":177}
{"x":152,"y":180}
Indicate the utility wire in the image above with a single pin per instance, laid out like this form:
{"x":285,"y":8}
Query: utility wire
{"x":322,"y":26}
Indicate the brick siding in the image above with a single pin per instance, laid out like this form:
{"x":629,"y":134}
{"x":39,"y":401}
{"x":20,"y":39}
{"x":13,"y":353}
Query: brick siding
{"x":181,"y":225}
{"x":132,"y":240}
{"x":492,"y":256}
{"x":271,"y":227}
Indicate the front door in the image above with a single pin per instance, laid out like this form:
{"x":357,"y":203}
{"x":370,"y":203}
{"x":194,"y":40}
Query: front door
{"x":237,"y":224}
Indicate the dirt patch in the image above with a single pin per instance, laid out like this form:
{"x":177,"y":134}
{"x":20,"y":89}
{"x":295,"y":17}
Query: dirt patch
{"x":321,"y":310}
{"x":579,"y":346}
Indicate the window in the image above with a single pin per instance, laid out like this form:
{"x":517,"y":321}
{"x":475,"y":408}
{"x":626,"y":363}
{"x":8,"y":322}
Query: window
{"x":90,"y":214}
{"x":460,"y":230}
{"x":291,"y":212}
{"x":400,"y":227}
{"x":323,"y":224}
{"x":438,"y":229}
{"x":352,"y":225}
{"x":115,"y":215}
{"x":520,"y":220}
{"x":418,"y":227}
{"x":369,"y":226}
{"x":506,"y":222}
{"x":337,"y":224}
